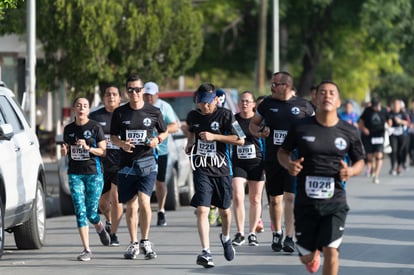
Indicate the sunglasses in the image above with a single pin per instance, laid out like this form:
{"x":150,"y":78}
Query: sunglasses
{"x":277,"y":84}
{"x":130,"y":90}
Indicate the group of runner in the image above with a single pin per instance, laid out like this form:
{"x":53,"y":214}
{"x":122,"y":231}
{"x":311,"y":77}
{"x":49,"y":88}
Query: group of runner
{"x":301,"y":154}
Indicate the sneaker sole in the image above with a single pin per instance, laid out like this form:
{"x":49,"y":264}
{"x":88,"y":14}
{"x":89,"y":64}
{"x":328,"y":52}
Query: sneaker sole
{"x":203,"y":262}
{"x":150,"y":257}
{"x":231,"y":256}
{"x":288,"y":249}
{"x":238,"y":244}
{"x":276,"y":248}
{"x":130,"y":257}
{"x":114,"y":244}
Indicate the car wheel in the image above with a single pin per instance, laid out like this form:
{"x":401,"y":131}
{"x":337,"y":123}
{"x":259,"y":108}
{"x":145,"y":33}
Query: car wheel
{"x":172,"y":200}
{"x":66,"y":203}
{"x":31,"y":234}
{"x":1,"y":227}
{"x":187,"y":194}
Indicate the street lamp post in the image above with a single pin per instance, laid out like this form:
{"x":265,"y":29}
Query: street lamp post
{"x":276,"y":64}
{"x":31,"y":61}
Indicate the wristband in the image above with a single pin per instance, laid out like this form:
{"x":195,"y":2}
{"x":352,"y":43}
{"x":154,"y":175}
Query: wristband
{"x":159,"y":139}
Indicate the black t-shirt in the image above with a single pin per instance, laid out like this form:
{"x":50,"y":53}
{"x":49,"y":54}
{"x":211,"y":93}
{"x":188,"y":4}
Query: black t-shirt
{"x":211,"y":158}
{"x":374,"y":121}
{"x":398,"y":129}
{"x":138,"y":126}
{"x":252,"y":150}
{"x":279,"y":116}
{"x":81,"y":161}
{"x":322,"y":149}
{"x":113,"y":152}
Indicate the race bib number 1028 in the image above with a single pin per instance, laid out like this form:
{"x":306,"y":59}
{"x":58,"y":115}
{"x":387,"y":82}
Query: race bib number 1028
{"x":319,"y":187}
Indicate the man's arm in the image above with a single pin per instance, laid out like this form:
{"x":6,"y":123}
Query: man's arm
{"x":173,"y":127}
{"x":229,"y":139}
{"x":255,"y":127}
{"x":293,"y":166}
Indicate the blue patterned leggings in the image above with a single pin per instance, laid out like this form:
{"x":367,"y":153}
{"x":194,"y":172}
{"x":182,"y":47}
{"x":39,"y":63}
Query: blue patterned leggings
{"x":86,"y":191}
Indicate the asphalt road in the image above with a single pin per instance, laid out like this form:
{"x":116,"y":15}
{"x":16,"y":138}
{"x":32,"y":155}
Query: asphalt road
{"x":379,"y":239}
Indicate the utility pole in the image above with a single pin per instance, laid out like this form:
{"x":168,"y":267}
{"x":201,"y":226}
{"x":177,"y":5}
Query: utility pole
{"x":31,"y":61}
{"x":261,"y":52}
{"x":276,"y":64}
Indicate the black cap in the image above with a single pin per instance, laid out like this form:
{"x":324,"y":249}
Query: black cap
{"x":375,"y":101}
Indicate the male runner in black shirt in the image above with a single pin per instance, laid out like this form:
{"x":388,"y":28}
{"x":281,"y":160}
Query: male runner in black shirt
{"x":279,"y":111}
{"x":323,"y":144}
{"x":211,"y":130}
{"x":132,"y":129}
{"x":109,"y":204}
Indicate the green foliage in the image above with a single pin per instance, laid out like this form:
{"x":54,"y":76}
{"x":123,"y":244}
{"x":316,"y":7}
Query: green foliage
{"x":100,"y":41}
{"x":363,"y":45}
{"x":11,"y":16}
{"x":6,"y":4}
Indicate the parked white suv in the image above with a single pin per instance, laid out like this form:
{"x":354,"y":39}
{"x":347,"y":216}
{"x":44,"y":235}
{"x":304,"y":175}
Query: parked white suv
{"x":22,"y":178}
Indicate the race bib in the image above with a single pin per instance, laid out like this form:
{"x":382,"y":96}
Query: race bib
{"x":246,"y":152}
{"x":206,"y":148}
{"x":137,"y":137}
{"x":319,"y":187}
{"x":279,"y":136}
{"x":109,"y":144}
{"x":377,"y":140}
{"x":78,"y":153}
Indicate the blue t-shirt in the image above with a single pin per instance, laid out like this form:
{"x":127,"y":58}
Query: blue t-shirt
{"x":351,"y":118}
{"x":169,"y":117}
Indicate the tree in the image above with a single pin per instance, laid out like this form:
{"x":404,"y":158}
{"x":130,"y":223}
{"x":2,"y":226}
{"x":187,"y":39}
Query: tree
{"x":93,"y":42}
{"x":5,"y":4}
{"x":102,"y":41}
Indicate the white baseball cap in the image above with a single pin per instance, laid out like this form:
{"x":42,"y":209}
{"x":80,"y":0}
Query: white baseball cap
{"x":151,"y":88}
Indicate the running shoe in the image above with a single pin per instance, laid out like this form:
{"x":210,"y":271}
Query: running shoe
{"x":85,"y":255}
{"x":229,"y":251}
{"x":259,"y":226}
{"x":218,"y":220}
{"x":146,"y":249}
{"x":108,"y":227}
{"x":289,"y":245}
{"x":375,"y":180}
{"x":252,"y":239}
{"x":161,"y":220}
{"x":238,"y":239}
{"x":212,"y":216}
{"x":277,"y":242}
{"x":132,"y":251}
{"x":104,"y":237}
{"x":114,"y":240}
{"x":205,"y":259}
{"x":314,"y":265}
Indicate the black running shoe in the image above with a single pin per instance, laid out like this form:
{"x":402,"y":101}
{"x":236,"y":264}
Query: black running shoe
{"x":161,"y":220}
{"x":253,"y":240}
{"x":229,"y":251}
{"x":289,"y":245}
{"x":277,"y":242}
{"x":108,"y":227}
{"x":114,"y":240}
{"x":104,"y":237}
{"x":205,"y":259}
{"x":238,"y":239}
